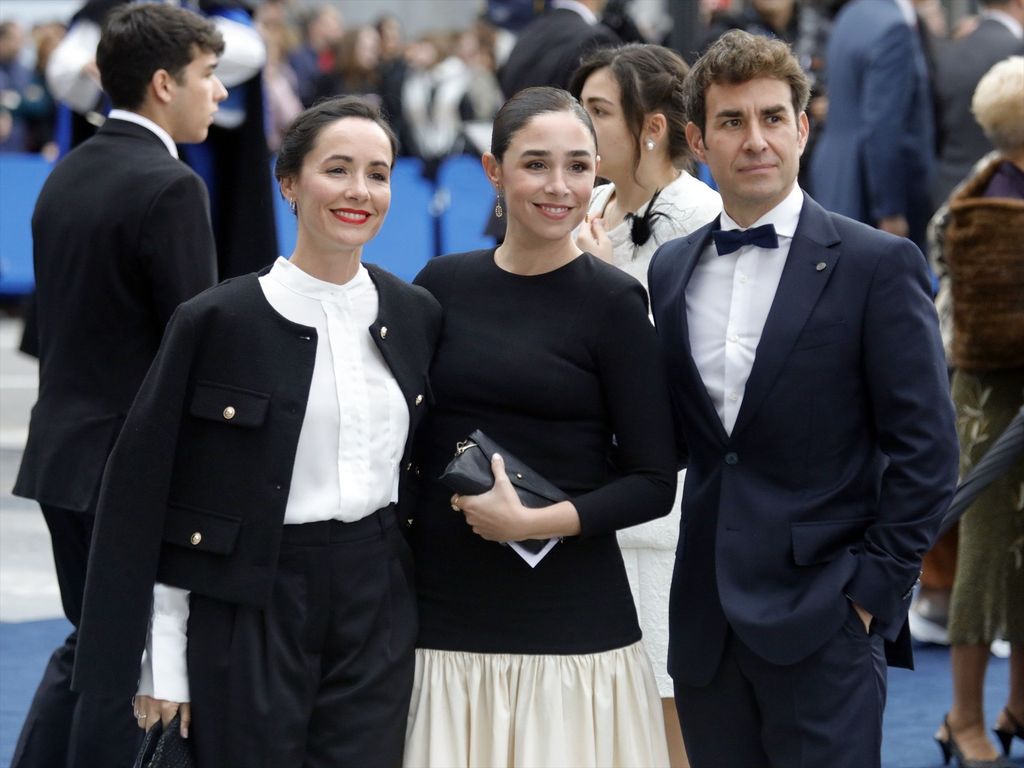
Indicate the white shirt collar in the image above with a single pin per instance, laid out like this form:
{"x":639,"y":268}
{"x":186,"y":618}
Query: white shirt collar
{"x":784,"y":216}
{"x":572,"y":5}
{"x":145,"y":122}
{"x":907,"y":11}
{"x":1006,"y":20}
{"x":297,"y":281}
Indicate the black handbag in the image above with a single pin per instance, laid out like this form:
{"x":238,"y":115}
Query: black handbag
{"x":469,"y":473}
{"x":164,"y":748}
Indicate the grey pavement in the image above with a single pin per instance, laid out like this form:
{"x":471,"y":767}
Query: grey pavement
{"x":28,"y":585}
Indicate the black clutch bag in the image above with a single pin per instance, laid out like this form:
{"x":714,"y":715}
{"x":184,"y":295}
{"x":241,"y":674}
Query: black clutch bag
{"x":164,"y":748}
{"x":469,"y":473}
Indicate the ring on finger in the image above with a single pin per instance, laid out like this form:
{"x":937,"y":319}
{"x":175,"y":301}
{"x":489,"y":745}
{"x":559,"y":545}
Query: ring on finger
{"x":455,"y":503}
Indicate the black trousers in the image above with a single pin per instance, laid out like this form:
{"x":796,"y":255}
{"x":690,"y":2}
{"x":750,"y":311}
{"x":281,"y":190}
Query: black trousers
{"x":823,"y":711}
{"x":64,"y":729}
{"x":320,"y":678}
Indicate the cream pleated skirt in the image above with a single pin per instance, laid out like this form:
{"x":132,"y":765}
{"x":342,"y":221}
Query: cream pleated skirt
{"x":480,"y":710}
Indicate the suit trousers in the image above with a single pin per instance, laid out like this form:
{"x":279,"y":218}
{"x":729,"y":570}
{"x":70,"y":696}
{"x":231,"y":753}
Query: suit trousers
{"x":64,"y":729}
{"x":825,"y":710}
{"x":321,"y":677}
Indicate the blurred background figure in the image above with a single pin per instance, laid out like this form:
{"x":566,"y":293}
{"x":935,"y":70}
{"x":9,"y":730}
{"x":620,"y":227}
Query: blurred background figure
{"x":280,"y":83}
{"x":355,"y":67}
{"x":322,"y":28}
{"x":805,"y":28}
{"x":959,"y":67}
{"x":15,"y":78}
{"x":875,"y":154}
{"x":977,"y":253}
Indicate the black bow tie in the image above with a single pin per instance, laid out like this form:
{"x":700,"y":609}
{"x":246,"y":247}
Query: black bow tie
{"x":729,"y":240}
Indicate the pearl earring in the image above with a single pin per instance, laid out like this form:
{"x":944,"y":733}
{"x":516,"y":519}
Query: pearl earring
{"x":649,"y":144}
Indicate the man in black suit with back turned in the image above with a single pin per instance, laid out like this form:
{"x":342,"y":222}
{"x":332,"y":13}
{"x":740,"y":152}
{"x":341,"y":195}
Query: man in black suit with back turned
{"x":121,"y":235}
{"x":549,"y":49}
{"x":960,"y":65}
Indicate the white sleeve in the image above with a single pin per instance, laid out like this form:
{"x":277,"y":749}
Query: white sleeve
{"x":64,"y":71}
{"x":164,"y":671}
{"x":244,"y":52}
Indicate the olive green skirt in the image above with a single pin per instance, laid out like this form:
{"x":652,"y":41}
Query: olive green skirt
{"x":988,"y":593}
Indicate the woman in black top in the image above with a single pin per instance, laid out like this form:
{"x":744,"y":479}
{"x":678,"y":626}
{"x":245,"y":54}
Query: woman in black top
{"x":549,"y":351}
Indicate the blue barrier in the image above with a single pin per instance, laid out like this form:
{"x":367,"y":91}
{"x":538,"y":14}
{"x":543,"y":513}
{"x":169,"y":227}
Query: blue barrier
{"x":423,"y":221}
{"x":468,"y":199}
{"x":21,"y":178}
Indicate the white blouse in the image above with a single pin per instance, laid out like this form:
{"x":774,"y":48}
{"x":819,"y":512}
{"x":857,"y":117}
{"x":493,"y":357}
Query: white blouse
{"x":350,"y":444}
{"x":688,"y":204}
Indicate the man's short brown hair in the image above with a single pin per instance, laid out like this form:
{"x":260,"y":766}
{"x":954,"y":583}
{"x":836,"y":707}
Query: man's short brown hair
{"x":738,"y":57}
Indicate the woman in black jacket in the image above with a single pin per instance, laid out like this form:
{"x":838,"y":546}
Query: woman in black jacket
{"x":248,"y":513}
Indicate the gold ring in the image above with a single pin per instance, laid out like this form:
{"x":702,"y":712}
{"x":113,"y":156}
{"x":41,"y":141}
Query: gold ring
{"x":455,"y":503}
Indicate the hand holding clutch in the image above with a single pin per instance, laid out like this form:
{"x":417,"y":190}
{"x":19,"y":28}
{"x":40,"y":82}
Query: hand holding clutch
{"x":469,"y":473}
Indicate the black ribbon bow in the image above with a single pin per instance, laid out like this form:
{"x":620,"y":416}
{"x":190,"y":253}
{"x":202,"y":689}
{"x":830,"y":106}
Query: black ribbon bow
{"x":729,"y":240}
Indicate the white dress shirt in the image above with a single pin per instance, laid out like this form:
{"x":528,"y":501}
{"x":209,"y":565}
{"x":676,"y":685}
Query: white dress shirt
{"x":727,"y":302}
{"x":350,"y":444}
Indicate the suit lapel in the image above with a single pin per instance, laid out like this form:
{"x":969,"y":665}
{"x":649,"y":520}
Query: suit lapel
{"x":809,"y":266}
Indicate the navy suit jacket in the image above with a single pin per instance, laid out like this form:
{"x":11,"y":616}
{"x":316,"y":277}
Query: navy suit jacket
{"x":875,"y":155}
{"x":842,"y":461}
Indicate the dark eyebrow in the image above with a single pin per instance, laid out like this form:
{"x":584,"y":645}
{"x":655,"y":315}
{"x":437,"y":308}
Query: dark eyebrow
{"x":599,"y":98}
{"x":348,"y":159}
{"x":545,"y":153}
{"x":774,"y":110}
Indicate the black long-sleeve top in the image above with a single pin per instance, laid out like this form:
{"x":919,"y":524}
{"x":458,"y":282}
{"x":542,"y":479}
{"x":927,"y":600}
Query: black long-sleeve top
{"x":563,"y":371}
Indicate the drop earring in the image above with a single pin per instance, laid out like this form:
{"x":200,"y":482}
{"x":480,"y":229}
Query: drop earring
{"x":649,"y":144}
{"x":292,"y":206}
{"x":499,"y":211}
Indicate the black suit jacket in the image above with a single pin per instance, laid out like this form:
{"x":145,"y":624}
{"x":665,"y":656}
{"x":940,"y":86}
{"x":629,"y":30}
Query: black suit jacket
{"x":180,"y":467}
{"x":549,"y":49}
{"x":959,"y":67}
{"x":842,"y":461}
{"x":121,"y":235}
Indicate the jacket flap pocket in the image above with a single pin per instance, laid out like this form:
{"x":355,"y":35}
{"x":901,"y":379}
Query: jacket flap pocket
{"x":821,"y":335}
{"x":819,"y":542}
{"x":230,"y":405}
{"x":200,"y":530}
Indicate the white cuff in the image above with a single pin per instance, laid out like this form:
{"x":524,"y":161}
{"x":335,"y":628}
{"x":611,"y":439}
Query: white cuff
{"x":164,"y":669}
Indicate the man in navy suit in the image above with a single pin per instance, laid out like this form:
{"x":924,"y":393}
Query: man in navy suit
{"x":811,"y":399}
{"x":875,"y":156}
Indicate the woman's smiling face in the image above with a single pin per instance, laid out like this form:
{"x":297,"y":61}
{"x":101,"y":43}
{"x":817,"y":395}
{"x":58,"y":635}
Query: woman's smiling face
{"x":343,"y":190}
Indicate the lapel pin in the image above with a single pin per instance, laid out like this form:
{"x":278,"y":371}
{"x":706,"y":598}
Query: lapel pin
{"x":820,"y":266}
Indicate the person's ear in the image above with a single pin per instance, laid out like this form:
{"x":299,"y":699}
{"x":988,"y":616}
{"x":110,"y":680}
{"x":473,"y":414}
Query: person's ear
{"x":655,"y":128}
{"x":803,"y":130}
{"x":492,"y":168}
{"x":287,"y":185}
{"x":695,"y":139}
{"x":162,"y":86}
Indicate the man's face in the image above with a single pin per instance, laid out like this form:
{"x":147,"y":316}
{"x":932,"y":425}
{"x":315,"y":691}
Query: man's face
{"x":752,"y":144}
{"x":195,"y":99}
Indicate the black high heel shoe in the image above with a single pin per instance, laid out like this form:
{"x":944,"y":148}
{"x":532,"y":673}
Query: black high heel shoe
{"x":950,"y":750}
{"x":1006,"y":737}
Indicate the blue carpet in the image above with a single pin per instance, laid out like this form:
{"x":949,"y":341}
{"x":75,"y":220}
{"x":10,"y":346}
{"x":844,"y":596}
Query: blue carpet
{"x":917,"y":700}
